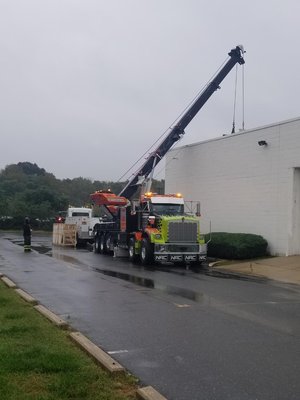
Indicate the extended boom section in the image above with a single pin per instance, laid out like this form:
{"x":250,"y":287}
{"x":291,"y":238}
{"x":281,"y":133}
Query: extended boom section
{"x":236,"y":57}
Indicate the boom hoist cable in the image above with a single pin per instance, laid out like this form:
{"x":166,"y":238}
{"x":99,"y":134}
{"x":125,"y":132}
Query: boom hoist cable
{"x":235,"y":96}
{"x":234,"y":102}
{"x":243,"y":95}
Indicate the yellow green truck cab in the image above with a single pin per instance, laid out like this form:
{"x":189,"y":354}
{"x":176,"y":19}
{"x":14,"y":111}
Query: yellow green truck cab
{"x":168,"y":233}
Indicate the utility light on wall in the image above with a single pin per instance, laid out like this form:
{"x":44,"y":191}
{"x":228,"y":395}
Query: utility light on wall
{"x":262,"y":143}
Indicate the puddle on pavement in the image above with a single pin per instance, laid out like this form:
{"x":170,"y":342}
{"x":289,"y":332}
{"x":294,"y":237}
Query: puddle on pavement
{"x":18,"y":242}
{"x":66,"y":258}
{"x":41,"y":249}
{"x":150,"y":284}
{"x":35,"y":246}
{"x":145,"y":282}
{"x":49,"y":251}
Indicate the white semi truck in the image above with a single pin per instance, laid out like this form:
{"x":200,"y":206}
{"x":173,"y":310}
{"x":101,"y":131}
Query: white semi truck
{"x":82,"y":218}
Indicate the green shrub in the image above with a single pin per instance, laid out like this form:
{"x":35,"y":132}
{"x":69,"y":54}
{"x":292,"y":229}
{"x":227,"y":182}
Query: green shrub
{"x":236,"y":246}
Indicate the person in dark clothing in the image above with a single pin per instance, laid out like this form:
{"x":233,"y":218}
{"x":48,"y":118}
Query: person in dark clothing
{"x":27,"y":235}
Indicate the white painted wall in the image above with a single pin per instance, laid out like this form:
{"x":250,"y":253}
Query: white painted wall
{"x":244,"y":187}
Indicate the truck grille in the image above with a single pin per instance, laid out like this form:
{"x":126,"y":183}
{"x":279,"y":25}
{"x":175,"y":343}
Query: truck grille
{"x":182,"y":231}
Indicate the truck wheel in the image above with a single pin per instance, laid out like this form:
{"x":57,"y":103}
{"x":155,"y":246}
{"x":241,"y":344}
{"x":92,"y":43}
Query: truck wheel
{"x":146,"y":255}
{"x":97,"y":245}
{"x":102,"y":244}
{"x":132,"y":255}
{"x":108,"y":243}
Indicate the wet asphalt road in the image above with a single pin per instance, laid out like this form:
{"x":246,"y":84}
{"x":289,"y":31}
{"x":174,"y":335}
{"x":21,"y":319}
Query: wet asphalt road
{"x":191,"y":334}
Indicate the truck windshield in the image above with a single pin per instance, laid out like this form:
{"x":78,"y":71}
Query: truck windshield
{"x":167,"y":209}
{"x":80,"y":214}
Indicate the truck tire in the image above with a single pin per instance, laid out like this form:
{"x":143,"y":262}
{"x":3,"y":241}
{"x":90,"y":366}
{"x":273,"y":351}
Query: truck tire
{"x":108,"y":243}
{"x":102,"y":244}
{"x":133,"y":257}
{"x":146,"y":255}
{"x":97,"y":245}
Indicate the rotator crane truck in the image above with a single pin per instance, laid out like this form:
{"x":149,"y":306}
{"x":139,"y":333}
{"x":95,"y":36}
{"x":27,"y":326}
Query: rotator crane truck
{"x":154,"y":227}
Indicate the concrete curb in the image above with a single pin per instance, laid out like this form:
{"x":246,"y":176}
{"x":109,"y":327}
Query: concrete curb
{"x":95,"y":352}
{"x":26,"y":296}
{"x":8,"y":282}
{"x":52,"y":317}
{"x":149,"y":393}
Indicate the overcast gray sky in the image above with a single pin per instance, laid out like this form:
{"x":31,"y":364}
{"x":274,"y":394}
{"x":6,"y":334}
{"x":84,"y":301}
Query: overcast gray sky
{"x":86,"y":86}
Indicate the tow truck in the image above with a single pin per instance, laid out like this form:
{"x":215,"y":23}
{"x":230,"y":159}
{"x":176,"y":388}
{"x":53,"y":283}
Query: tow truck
{"x":152,"y":227}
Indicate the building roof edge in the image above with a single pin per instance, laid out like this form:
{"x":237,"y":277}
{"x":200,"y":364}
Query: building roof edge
{"x":241,"y":132}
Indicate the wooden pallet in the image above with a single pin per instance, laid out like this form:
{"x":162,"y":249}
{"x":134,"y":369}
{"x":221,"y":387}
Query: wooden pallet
{"x":64,"y":234}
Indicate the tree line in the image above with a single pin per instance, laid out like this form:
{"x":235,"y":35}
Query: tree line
{"x":26,"y":190}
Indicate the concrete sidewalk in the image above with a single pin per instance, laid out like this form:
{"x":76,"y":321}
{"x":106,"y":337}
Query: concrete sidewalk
{"x":283,"y":269}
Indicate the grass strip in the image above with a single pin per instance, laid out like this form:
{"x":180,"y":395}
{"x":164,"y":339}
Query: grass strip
{"x":39,"y":362}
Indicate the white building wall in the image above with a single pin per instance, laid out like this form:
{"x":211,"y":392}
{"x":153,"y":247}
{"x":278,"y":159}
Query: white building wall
{"x":244,"y":187}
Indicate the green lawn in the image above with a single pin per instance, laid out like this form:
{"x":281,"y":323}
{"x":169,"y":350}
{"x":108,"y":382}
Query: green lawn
{"x":38,"y":361}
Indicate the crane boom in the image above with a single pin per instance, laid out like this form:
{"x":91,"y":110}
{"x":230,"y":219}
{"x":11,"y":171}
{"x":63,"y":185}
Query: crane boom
{"x":177,"y":131}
